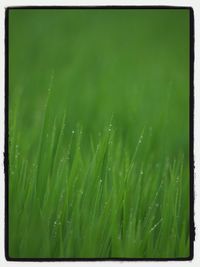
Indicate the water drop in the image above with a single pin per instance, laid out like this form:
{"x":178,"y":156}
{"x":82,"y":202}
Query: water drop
{"x":140,"y":140}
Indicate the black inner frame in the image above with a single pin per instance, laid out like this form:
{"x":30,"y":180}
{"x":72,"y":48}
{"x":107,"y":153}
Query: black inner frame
{"x":191,"y":133}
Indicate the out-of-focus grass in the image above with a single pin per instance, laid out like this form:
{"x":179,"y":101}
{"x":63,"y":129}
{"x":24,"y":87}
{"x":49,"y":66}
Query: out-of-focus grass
{"x":98,"y":133}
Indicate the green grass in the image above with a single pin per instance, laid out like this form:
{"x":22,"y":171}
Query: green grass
{"x":98,"y":133}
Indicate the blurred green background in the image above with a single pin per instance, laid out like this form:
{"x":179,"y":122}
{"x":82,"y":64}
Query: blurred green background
{"x":128,"y":65}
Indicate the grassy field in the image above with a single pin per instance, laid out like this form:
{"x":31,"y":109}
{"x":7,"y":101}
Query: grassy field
{"x":98,"y":133}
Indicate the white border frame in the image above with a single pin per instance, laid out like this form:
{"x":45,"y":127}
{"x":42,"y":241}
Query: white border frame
{"x":195,"y":4}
